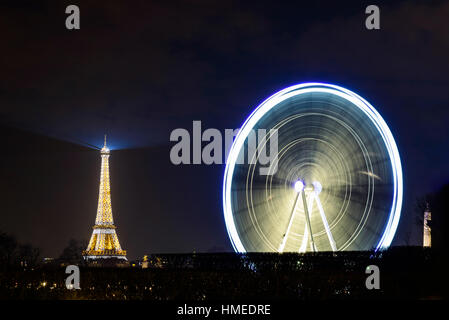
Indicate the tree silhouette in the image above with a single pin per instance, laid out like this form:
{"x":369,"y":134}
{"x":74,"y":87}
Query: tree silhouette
{"x":73,"y":252}
{"x":12,"y":253}
{"x":8,"y":246}
{"x":440,"y":209}
{"x":28,"y":255}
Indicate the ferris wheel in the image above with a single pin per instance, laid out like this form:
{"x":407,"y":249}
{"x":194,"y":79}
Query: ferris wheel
{"x":335,"y":184}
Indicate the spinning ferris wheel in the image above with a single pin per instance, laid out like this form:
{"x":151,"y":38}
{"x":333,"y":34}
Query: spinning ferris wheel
{"x":336,"y":183}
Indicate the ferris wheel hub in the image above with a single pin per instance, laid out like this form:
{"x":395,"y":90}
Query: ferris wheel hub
{"x":299,"y":186}
{"x":315,"y":187}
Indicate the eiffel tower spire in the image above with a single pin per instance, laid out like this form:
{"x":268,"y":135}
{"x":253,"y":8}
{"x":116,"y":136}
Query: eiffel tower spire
{"x":104,"y":241}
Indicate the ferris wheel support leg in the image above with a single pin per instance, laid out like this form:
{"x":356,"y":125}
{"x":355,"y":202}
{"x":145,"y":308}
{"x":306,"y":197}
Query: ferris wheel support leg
{"x":306,"y":212}
{"x":326,"y":225}
{"x":305,"y":237}
{"x":292,"y":215}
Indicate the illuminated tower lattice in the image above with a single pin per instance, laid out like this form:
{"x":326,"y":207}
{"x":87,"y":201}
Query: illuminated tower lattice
{"x":104,"y":241}
{"x":427,"y":240}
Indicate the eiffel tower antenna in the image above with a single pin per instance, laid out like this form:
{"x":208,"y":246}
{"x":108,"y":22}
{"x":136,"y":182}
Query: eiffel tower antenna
{"x":104,"y":241}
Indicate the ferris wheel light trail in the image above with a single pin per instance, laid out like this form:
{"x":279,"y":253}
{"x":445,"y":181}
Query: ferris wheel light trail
{"x":328,"y":134}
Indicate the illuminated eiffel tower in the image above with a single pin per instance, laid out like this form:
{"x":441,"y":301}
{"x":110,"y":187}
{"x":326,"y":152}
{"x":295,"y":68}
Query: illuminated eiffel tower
{"x":104,"y":241}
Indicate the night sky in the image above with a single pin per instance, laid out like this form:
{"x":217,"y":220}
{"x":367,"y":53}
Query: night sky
{"x":136,"y":70}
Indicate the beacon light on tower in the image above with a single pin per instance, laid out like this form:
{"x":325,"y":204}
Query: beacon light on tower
{"x":339,"y":180}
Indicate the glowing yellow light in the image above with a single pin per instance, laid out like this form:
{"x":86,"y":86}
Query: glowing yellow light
{"x":104,"y":241}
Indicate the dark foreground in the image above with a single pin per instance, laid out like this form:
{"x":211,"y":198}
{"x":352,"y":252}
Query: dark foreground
{"x":405,"y":273}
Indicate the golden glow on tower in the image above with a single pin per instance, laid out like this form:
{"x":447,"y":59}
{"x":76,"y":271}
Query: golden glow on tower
{"x":104,"y":241}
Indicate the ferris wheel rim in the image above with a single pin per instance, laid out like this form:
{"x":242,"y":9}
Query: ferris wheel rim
{"x":291,"y":91}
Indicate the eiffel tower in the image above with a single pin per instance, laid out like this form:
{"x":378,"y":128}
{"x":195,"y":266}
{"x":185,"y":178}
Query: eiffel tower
{"x":104,"y":241}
